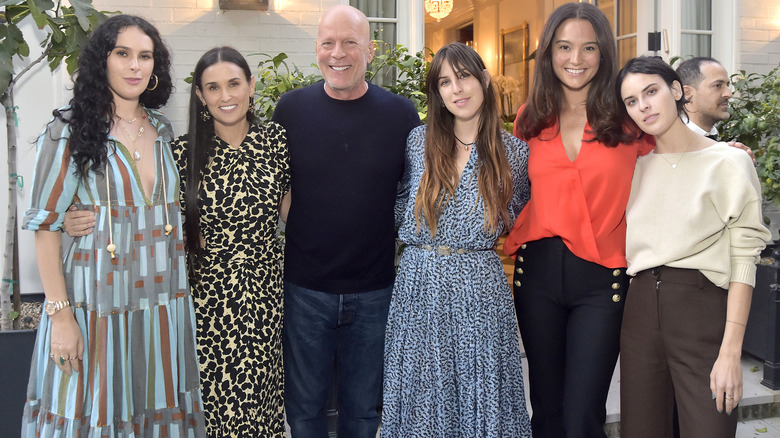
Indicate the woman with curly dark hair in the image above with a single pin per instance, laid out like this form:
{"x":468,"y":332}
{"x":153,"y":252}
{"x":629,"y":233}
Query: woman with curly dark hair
{"x":234,"y":174}
{"x":115,"y":354}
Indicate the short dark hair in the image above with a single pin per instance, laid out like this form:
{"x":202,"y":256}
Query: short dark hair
{"x":649,"y":65}
{"x":690,"y":70}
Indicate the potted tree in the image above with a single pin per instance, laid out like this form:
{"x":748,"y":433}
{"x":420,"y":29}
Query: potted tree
{"x":65,"y":29}
{"x":755,"y":121}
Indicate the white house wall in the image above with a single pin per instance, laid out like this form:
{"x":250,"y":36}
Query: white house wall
{"x":759,"y":41}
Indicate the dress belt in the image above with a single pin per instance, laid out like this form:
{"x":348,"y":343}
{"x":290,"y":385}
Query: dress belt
{"x":446,"y":250}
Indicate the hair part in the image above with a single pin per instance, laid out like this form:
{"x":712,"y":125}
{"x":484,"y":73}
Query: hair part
{"x":689,"y":71}
{"x":648,"y":65}
{"x":546,"y":97}
{"x":92,"y":105}
{"x":440,"y":178}
{"x":200,"y":143}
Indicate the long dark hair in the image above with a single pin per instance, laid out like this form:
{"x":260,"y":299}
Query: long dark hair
{"x":648,"y":65}
{"x":439,"y":180}
{"x":200,"y":141}
{"x":544,"y":103}
{"x":92,"y":105}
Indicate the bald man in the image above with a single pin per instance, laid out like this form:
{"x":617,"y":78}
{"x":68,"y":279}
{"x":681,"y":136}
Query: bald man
{"x":347,"y":140}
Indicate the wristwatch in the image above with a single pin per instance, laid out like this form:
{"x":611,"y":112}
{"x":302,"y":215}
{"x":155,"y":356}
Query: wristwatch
{"x":52,"y":307}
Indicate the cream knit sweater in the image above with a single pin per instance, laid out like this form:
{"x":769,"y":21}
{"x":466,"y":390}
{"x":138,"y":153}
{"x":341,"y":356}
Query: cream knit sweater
{"x":704,"y":214}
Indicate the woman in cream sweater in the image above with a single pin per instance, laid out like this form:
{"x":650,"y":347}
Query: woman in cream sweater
{"x":694,"y":235}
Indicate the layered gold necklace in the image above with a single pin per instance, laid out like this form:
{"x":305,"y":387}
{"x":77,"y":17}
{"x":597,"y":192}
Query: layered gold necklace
{"x":136,"y":154}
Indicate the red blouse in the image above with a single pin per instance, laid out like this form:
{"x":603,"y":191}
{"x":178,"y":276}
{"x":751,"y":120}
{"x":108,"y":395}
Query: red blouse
{"x":582,"y":201}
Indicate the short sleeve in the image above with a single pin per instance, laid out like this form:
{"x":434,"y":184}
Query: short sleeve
{"x":278,"y":138}
{"x":54,"y":180}
{"x":179,"y":148}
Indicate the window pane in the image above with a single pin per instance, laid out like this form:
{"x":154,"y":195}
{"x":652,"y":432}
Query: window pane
{"x":626,"y":50}
{"x":376,"y":8}
{"x":385,"y":32}
{"x":695,"y":45}
{"x":626,"y":17}
{"x":697,"y":14}
{"x":608,"y":8}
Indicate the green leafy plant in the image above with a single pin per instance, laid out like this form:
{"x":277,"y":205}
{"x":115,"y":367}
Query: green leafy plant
{"x":755,"y":121}
{"x":67,"y":29}
{"x":403,"y":73}
{"x":274,"y":78}
{"x":393,"y":68}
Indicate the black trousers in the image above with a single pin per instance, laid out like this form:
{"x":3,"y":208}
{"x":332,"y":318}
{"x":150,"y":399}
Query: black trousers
{"x":569,"y":312}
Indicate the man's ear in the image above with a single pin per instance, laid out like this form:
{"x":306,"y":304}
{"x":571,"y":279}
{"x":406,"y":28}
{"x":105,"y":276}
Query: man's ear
{"x":688,"y":92}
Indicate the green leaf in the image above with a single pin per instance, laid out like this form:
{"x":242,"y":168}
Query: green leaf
{"x":23,"y":50}
{"x":279,"y":59}
{"x":83,"y":9}
{"x":71,"y":64}
{"x":6,"y":70}
{"x":41,"y":19}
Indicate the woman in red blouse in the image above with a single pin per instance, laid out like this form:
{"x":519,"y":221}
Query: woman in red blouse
{"x":569,"y":241}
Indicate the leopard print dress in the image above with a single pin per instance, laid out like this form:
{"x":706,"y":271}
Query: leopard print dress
{"x":238,"y":285}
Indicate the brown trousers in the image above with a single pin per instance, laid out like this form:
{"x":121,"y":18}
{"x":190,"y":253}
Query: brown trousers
{"x":672,"y":330}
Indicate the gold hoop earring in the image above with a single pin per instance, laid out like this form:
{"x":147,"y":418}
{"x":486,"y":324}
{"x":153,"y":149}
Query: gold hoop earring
{"x":156,"y":83}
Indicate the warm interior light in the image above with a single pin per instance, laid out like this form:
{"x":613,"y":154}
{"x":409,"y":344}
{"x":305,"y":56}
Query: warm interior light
{"x":438,"y":9}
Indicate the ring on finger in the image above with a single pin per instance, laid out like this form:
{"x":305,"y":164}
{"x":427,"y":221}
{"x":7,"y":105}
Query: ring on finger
{"x":729,"y":397}
{"x":62,"y":360}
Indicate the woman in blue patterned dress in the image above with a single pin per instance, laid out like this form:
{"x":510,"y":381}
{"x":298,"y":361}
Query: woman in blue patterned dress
{"x":115,"y":353}
{"x":452,"y":349}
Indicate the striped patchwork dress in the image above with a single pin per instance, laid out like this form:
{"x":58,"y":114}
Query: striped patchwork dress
{"x":139,"y":373}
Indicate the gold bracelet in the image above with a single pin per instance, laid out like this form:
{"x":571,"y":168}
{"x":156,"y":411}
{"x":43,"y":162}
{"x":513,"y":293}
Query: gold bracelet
{"x":737,"y":323}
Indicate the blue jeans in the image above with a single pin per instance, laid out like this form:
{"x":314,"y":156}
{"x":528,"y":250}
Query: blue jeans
{"x":319,"y":327}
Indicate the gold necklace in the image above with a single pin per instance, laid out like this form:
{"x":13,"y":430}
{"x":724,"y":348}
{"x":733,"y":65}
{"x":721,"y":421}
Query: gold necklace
{"x":136,"y":153}
{"x":674,"y":165}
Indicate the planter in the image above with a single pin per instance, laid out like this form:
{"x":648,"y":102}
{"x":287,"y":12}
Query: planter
{"x":762,"y":334}
{"x":16,"y":349}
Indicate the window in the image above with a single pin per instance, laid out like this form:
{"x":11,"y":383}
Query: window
{"x":696,"y":28}
{"x":622,"y":15}
{"x":383,"y":20}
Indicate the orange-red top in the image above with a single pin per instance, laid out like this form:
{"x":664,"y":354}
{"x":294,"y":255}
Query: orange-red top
{"x":582,"y":201}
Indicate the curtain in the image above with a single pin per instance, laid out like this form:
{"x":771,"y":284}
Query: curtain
{"x":696,"y":16}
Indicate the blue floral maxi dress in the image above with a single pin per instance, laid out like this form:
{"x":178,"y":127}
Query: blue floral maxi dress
{"x":139,"y":372}
{"x":452,"y":349}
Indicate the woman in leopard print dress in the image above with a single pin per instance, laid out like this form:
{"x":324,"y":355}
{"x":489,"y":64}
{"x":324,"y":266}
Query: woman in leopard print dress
{"x":234,"y":174}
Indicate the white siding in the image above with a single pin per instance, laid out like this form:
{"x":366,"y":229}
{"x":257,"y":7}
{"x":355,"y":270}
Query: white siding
{"x":759,"y":40}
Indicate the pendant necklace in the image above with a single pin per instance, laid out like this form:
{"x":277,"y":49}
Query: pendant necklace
{"x":466,"y":146}
{"x":674,"y":165}
{"x":136,"y":154}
